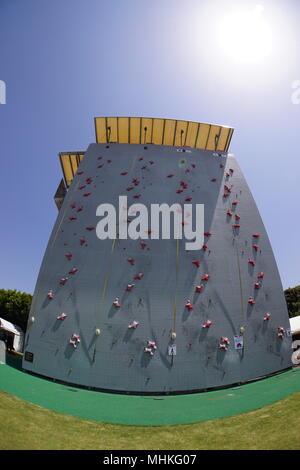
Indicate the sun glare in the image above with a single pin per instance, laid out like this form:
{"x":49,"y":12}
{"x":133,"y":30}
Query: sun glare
{"x":246,"y":36}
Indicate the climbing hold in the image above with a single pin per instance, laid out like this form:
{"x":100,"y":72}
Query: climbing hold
{"x":137,"y":196}
{"x":151,"y":162}
{"x":133,"y":324}
{"x":79,"y":209}
{"x":142,"y":244}
{"x":255,"y":235}
{"x":80,"y":172}
{"x":207,"y":234}
{"x":256,"y":247}
{"x":229,"y":213}
{"x":82,"y":187}
{"x":90,"y":228}
{"x":63,"y":281}
{"x":199,"y":288}
{"x":129,"y":287}
{"x":227,"y":188}
{"x":135,"y":181}
{"x":86,"y":194}
{"x":213,"y":179}
{"x":68,"y":256}
{"x":193,"y":165}
{"x":179,"y":191}
{"x":188,"y":199}
{"x":237,"y":217}
{"x":251,"y":301}
{"x":116,"y":302}
{"x":257,"y":285}
{"x":223,"y":346}
{"x":97,"y":331}
{"x":173,"y":335}
{"x":170,"y":175}
{"x":72,"y":217}
{"x":73,"y":271}
{"x":226,"y":194}
{"x":129,"y":188}
{"x":260,"y":275}
{"x":149,"y":351}
{"x":281,"y":332}
{"x":251,"y":261}
{"x":205,"y":277}
{"x":234,"y":203}
{"x":196,"y":263}
{"x":124,"y":173}
{"x":207,"y":324}
{"x":231,"y":170}
{"x":152,"y":344}
{"x":73,"y":205}
{"x":89,"y":180}
{"x":224,"y":340}
{"x":131,"y":261}
{"x":109,"y":161}
{"x":235,"y":225}
{"x":50,"y":294}
{"x":73,"y":343}
{"x":62,"y":316}
{"x":204,"y":247}
{"x":267,"y":316}
{"x":144,"y":167}
{"x":139,"y":276}
{"x":188,"y":305}
{"x":82,"y":241}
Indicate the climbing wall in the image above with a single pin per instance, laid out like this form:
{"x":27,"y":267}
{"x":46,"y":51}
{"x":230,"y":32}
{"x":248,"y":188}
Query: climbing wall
{"x":148,"y":316}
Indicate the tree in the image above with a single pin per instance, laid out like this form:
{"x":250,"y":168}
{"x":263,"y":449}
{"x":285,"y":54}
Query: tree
{"x":292,"y":297}
{"x":15,"y":307}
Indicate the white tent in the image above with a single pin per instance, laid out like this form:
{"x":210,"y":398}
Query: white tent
{"x":18,"y":335}
{"x":295,"y":325}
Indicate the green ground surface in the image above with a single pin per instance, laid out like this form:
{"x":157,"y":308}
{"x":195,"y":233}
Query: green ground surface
{"x":27,"y":426}
{"x":147,"y":410}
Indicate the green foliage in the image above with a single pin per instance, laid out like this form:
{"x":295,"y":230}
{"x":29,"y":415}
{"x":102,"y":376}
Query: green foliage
{"x":15,"y":307}
{"x":292,"y":297}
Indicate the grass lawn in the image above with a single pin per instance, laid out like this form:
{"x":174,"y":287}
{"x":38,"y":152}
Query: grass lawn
{"x":27,"y":426}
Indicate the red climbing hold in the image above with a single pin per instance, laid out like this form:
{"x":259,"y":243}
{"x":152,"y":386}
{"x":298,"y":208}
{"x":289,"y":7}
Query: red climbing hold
{"x":255,"y":235}
{"x":135,"y":181}
{"x":50,"y":294}
{"x":68,"y":256}
{"x":256,"y":247}
{"x":63,"y":281}
{"x":73,"y":205}
{"x":267,"y":316}
{"x":62,"y":316}
{"x":131,"y":261}
{"x":73,"y":271}
{"x":231,"y":170}
{"x":188,"y":199}
{"x":170,"y":175}
{"x":205,"y":277}
{"x":124,"y":173}
{"x":207,"y":324}
{"x":237,"y":217}
{"x":86,"y":194}
{"x":223,"y":347}
{"x":221,"y":165}
{"x":179,"y":191}
{"x":204,"y":247}
{"x":235,"y":225}
{"x":134,"y":324}
{"x":226,"y":194}
{"x":229,"y":213}
{"x":234,"y":203}
{"x":79,"y":172}
{"x":251,"y":261}
{"x":82,"y":241}
{"x":116,"y":302}
{"x":224,"y":340}
{"x":189,"y":305}
{"x":89,"y":228}
{"x":151,"y":162}
{"x":137,"y":196}
{"x":149,"y":351}
{"x":142,"y":244}
{"x":260,"y":275}
{"x":199,"y":288}
{"x":207,"y":234}
{"x":129,"y":287}
{"x":82,"y":187}
{"x":72,"y":218}
{"x":193,"y":165}
{"x":144,"y":167}
{"x":89,"y":180}
{"x":139,"y":276}
{"x":251,"y":301}
{"x":152,"y":344}
{"x":213,"y":179}
{"x":100,"y":166}
{"x":129,"y":188}
{"x":257,"y":285}
{"x":196,"y":263}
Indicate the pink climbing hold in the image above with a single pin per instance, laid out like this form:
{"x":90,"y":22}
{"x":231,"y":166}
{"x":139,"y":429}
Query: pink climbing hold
{"x":50,"y":294}
{"x":207,"y":324}
{"x":116,"y":302}
{"x":68,"y":256}
{"x":205,"y":277}
{"x":131,"y":261}
{"x":196,"y":263}
{"x":189,"y":305}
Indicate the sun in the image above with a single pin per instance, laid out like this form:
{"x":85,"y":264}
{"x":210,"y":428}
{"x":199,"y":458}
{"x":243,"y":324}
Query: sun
{"x":246,"y":36}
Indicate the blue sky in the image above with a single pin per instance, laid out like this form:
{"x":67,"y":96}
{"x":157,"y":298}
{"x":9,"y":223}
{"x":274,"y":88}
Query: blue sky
{"x":66,"y":61}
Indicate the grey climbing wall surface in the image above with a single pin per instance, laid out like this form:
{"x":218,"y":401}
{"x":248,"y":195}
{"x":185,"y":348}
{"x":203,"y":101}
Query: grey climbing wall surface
{"x":235,"y":327}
